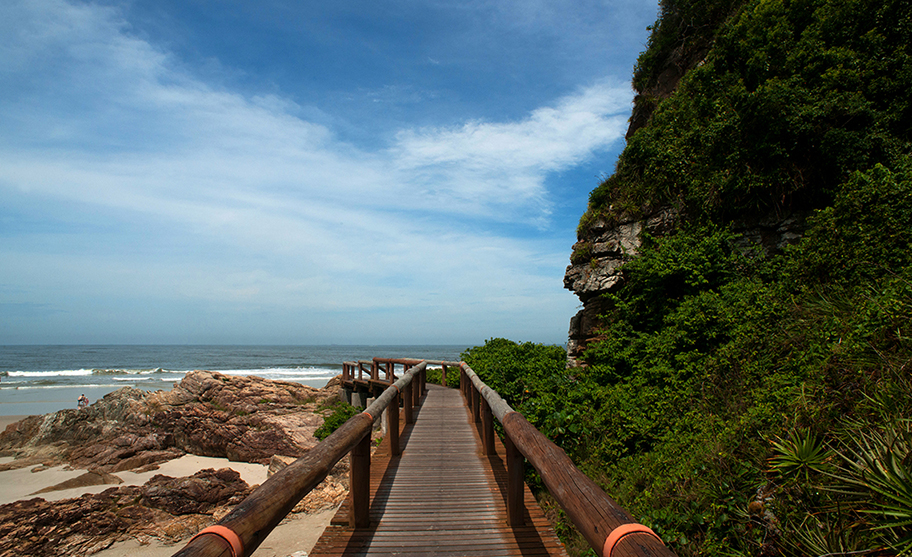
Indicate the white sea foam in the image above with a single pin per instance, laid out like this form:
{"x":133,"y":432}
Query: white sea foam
{"x":39,"y":387}
{"x":270,"y":373}
{"x":61,"y":373}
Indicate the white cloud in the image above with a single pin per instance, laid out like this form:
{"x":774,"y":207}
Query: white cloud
{"x":505,"y":163}
{"x":102,"y":118}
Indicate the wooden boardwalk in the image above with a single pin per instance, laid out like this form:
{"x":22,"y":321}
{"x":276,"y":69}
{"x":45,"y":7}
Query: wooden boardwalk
{"x":441,"y":496}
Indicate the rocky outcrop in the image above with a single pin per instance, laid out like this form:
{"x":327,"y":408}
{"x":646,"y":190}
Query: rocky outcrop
{"x":165,"y":507}
{"x":596,"y":269}
{"x":242,"y":418}
{"x":209,"y":414}
{"x":603,"y":249}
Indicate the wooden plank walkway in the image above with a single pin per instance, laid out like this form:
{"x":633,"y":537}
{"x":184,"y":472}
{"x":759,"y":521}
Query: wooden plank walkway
{"x":441,"y":496}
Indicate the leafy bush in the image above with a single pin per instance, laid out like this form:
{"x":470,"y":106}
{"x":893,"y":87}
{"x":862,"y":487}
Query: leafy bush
{"x":739,"y":404}
{"x":336,"y":415}
{"x":433,"y":375}
{"x":792,"y":98}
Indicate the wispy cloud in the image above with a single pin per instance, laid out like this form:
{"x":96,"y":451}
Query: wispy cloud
{"x":100,"y":117}
{"x":484,"y":164}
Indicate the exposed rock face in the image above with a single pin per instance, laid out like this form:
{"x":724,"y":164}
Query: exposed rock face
{"x":209,"y":414}
{"x":598,"y":256}
{"x":603,"y":249}
{"x":168,"y":507}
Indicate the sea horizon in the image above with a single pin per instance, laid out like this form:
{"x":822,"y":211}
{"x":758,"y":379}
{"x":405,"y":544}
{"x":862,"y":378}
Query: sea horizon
{"x":43,"y":378}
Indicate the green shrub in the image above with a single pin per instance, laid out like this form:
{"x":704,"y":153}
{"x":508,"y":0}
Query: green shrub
{"x":433,"y":375}
{"x":335,"y":415}
{"x":792,"y":98}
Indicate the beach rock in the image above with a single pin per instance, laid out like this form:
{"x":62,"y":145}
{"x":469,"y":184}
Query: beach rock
{"x":169,"y":508}
{"x":198,"y":494}
{"x":246,"y":419}
{"x":278,"y":462}
{"x":208,"y":414}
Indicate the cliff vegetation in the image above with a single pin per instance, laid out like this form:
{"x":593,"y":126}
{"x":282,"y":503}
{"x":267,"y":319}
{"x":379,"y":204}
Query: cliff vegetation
{"x":743,"y":399}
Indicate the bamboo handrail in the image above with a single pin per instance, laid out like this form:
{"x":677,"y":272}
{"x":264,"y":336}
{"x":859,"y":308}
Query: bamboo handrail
{"x":256,"y":516}
{"x":597,"y":516}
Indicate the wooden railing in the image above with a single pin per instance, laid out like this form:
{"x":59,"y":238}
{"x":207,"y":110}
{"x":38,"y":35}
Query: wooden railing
{"x":608,"y":528}
{"x":245,"y":528}
{"x":386,"y":367}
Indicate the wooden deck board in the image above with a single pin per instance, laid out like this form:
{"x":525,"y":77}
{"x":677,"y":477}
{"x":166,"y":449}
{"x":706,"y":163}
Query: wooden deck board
{"x":441,"y":496}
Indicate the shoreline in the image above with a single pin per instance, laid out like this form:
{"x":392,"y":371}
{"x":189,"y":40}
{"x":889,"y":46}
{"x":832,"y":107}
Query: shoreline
{"x":36,"y":401}
{"x":77,"y":477}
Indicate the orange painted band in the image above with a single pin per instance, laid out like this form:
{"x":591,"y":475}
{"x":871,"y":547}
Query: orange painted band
{"x":227,"y":534}
{"x":368,"y":415}
{"x":623,"y":531}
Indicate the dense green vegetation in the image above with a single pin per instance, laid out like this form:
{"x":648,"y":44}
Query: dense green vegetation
{"x":334,"y":415}
{"x":792,"y":97}
{"x":743,"y":403}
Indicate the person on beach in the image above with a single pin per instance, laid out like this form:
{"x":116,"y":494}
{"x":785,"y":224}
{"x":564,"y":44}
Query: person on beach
{"x":83,"y":401}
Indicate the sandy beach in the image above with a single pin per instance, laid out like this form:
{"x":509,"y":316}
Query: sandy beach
{"x":295,"y":536}
{"x":7,"y":420}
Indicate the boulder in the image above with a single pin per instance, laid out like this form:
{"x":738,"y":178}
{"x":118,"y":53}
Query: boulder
{"x":172,"y":508}
{"x":246,"y":419}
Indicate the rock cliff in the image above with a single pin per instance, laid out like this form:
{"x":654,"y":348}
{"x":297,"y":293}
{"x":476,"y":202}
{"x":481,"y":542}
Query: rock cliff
{"x":602,"y":249}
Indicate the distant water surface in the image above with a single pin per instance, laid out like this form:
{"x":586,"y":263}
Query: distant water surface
{"x":36,"y":379}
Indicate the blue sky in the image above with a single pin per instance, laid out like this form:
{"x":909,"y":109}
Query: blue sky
{"x":193,"y":171}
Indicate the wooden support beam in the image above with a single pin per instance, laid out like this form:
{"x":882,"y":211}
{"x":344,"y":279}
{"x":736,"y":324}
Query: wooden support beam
{"x":407,"y":404}
{"x":392,"y":425}
{"x":360,"y":484}
{"x":515,"y":484}
{"x":487,"y":428}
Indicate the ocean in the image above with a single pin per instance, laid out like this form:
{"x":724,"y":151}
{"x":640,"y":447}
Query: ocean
{"x":38,"y":379}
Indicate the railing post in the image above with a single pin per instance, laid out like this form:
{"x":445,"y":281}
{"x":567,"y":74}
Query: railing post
{"x":515,"y":483}
{"x":407,"y":404}
{"x":392,"y":422}
{"x":360,"y":483}
{"x":487,"y":427}
{"x":443,"y":369}
{"x":476,"y":416}
{"x":416,"y":391}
